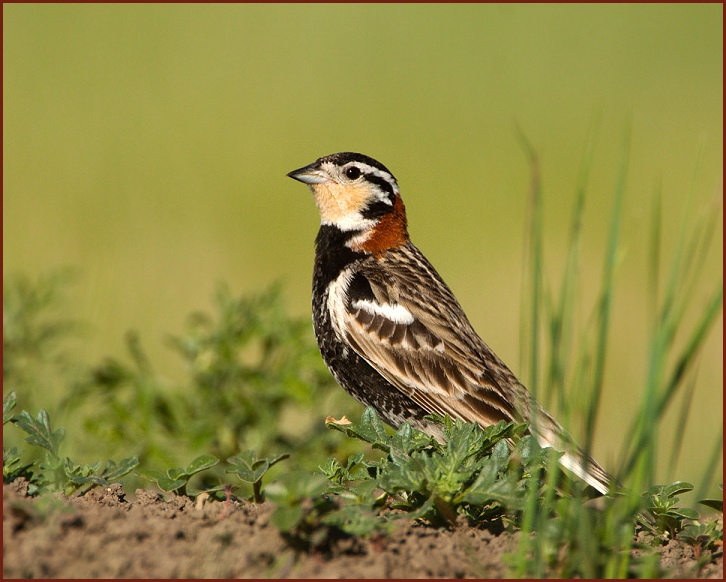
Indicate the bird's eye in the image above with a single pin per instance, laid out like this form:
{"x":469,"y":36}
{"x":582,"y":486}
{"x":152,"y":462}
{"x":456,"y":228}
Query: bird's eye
{"x":353,"y":172}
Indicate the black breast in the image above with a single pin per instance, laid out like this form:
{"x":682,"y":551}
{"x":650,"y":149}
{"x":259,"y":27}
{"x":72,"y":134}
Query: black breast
{"x":350,"y":370}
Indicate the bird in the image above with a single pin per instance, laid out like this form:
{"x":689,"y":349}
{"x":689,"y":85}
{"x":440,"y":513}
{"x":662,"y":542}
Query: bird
{"x":391,"y":331}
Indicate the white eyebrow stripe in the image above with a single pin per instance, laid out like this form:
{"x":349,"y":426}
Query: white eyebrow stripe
{"x":396,"y":313}
{"x":373,"y":171}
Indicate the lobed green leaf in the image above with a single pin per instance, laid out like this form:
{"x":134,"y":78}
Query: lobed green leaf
{"x":40,"y":431}
{"x":9,"y":402}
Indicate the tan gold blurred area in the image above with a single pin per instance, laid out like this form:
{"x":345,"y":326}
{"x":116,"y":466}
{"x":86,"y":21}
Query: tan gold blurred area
{"x":147,"y":146}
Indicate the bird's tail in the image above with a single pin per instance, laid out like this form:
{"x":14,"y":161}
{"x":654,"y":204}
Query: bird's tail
{"x":549,"y":433}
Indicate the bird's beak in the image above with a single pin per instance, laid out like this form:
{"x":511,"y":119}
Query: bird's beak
{"x":311,"y":174}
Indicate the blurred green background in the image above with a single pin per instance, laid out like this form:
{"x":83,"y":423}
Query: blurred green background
{"x":147,"y":146}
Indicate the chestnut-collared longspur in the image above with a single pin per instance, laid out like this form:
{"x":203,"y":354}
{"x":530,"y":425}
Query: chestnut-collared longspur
{"x":391,"y":331}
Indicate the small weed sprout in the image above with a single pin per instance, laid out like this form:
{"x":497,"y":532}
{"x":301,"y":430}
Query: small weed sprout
{"x":176,"y":480}
{"x":251,"y":469}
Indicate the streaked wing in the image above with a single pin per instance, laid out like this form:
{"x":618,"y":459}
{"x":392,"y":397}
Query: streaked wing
{"x":404,"y":320}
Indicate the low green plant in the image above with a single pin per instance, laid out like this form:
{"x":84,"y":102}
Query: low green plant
{"x":175,"y":480}
{"x":13,"y":467}
{"x":703,"y":536}
{"x":250,"y":469}
{"x":55,"y":473}
{"x":359,"y":511}
{"x":311,"y":511}
{"x":662,"y":505}
{"x":469,"y":473}
{"x":300,"y":503}
{"x":670,"y":521}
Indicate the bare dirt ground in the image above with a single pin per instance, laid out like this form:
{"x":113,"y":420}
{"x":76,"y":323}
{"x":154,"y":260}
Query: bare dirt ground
{"x":105,"y":535}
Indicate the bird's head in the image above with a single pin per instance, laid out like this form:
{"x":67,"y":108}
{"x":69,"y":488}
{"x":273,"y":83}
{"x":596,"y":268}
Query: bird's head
{"x":358,"y":195}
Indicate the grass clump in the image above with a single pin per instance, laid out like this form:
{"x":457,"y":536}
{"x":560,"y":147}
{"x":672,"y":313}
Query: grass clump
{"x":567,"y":362}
